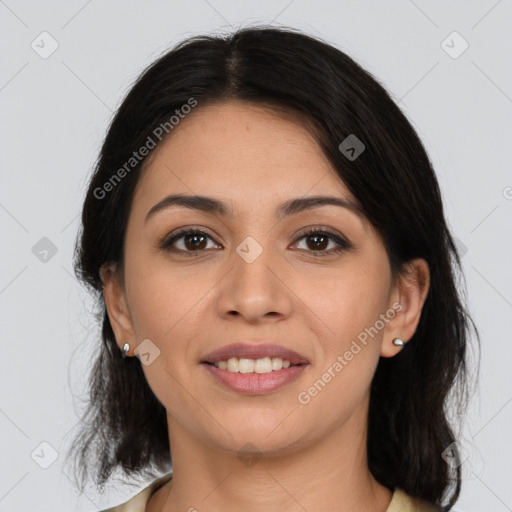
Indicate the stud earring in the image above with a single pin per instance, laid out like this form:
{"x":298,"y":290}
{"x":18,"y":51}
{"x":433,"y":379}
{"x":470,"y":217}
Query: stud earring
{"x":126,"y":349}
{"x":398,"y":342}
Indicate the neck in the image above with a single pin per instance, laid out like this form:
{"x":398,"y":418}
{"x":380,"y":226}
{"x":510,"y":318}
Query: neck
{"x":328,"y":474}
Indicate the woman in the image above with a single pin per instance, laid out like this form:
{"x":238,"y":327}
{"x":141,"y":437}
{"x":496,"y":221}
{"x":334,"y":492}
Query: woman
{"x":266,"y":238}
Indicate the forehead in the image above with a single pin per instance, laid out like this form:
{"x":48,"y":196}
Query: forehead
{"x":239,"y":150}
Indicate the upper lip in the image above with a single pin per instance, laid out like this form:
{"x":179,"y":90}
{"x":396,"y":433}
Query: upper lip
{"x":251,"y":351}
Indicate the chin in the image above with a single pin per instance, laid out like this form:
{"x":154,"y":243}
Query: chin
{"x":269,"y":441}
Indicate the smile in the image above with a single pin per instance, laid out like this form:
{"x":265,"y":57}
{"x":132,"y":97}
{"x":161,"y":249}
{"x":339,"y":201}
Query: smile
{"x":248,"y":376}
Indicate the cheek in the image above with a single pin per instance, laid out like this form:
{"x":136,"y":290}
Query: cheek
{"x":161,"y":296}
{"x":165,"y":306}
{"x":347,"y":301}
{"x":349,"y":306}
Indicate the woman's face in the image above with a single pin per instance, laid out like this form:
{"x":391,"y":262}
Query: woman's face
{"x":253,"y":279}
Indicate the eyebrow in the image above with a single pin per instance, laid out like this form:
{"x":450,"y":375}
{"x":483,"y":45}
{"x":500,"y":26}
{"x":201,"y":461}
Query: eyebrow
{"x":290,"y":207}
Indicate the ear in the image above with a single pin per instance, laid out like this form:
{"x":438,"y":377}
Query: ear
{"x":410,"y":291}
{"x":117,"y":305}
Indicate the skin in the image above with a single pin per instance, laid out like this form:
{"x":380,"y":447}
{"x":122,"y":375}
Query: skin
{"x":312,"y":455}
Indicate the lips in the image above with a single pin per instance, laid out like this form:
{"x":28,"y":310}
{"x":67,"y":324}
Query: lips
{"x":251,"y":351}
{"x":255,"y":383}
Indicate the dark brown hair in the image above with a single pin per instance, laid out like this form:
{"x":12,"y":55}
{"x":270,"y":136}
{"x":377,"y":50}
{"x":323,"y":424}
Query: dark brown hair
{"x":125,"y":425}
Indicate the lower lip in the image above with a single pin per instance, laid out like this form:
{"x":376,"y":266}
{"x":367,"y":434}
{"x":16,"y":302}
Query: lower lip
{"x":256,"y":383}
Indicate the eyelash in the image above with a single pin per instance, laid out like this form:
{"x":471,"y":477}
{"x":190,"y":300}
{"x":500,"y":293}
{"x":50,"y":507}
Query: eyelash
{"x":342,"y":244}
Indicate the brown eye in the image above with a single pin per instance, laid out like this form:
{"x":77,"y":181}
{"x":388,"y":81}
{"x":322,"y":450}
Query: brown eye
{"x":318,"y":241}
{"x":189,"y":240}
{"x":192,"y":241}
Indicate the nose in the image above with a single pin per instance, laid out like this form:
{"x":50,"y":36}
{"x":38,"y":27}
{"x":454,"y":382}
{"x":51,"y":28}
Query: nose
{"x":254,"y":288}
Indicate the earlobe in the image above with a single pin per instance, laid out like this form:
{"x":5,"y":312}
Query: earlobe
{"x":116,"y":304}
{"x":410,"y":291}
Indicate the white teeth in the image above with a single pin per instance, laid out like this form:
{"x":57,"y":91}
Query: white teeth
{"x":243,"y":365}
{"x":232,"y":365}
{"x":263,"y":365}
{"x":277,"y":363}
{"x":246,"y":365}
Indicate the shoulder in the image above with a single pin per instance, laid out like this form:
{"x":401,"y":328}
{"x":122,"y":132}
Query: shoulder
{"x":400,"y":502}
{"x":403,"y":502}
{"x":138,"y":502}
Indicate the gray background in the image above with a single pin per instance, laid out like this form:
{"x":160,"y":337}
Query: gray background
{"x":55,"y":111}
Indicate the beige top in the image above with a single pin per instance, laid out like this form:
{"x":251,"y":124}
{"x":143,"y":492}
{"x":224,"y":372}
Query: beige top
{"x":400,"y":502}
